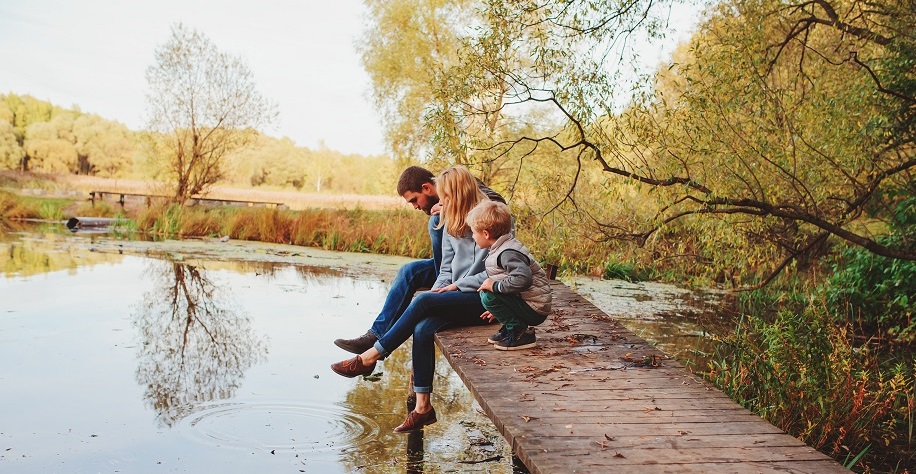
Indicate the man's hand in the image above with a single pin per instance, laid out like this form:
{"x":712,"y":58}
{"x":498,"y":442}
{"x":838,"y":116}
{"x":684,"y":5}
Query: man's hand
{"x":436,"y":209}
{"x":452,"y":287}
{"x":488,"y":317}
{"x":487,"y":285}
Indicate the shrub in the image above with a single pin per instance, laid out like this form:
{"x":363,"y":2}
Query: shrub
{"x":802,"y":373}
{"x":878,"y":293}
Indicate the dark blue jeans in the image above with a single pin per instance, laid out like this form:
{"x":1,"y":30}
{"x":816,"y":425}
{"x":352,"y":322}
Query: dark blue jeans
{"x":435,"y":238}
{"x":410,"y":277}
{"x":427,"y":314}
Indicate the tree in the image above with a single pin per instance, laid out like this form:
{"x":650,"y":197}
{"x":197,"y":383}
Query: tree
{"x":11,"y":153}
{"x":50,"y":145}
{"x":202,"y":106}
{"x":790,"y":122}
{"x":105,"y":148}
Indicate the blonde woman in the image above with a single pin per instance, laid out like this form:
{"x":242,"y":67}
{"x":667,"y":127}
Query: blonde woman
{"x":452,"y":301}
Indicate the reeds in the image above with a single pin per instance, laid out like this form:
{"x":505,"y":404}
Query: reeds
{"x":397,"y":232}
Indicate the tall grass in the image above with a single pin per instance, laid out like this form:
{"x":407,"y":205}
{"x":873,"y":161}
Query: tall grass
{"x":397,"y":232}
{"x":12,"y":207}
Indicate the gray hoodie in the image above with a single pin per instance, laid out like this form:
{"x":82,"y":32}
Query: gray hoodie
{"x":462,"y":263}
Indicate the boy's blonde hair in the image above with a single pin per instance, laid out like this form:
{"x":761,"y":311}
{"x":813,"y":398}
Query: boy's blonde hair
{"x":491,"y":216}
{"x":458,"y":191}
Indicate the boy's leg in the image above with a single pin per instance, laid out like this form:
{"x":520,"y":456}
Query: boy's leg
{"x":511,"y":310}
{"x":516,"y":316}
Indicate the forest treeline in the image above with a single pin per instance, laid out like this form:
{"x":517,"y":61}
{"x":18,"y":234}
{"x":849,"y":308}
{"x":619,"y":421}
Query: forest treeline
{"x":36,"y":135}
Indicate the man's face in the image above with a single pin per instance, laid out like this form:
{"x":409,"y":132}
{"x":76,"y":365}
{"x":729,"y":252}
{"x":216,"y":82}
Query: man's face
{"x":423,"y":200}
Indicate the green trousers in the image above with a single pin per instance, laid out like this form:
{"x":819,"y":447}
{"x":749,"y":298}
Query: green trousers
{"x":510,"y":309}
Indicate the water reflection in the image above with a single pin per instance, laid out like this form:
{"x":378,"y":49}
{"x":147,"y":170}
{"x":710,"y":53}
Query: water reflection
{"x":194,"y":345}
{"x":23,"y":257}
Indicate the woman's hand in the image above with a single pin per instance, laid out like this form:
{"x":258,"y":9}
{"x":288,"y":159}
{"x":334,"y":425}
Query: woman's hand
{"x":452,"y":287}
{"x":488,"y":316}
{"x":436,"y":209}
{"x":487,"y":285}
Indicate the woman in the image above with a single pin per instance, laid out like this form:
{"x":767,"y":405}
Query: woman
{"x":452,"y":301}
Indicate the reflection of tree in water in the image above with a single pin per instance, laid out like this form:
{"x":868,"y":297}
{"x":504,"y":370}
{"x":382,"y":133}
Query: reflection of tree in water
{"x":194,"y":347}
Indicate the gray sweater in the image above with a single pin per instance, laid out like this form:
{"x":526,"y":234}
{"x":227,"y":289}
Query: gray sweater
{"x":462,"y":263}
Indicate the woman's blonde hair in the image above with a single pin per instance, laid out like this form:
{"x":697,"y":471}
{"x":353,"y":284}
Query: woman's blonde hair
{"x":458,"y":191}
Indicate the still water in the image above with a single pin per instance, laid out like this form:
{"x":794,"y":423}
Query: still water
{"x":127,"y":356}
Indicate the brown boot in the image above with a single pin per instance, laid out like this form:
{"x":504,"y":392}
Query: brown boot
{"x":353,"y":367}
{"x":416,"y":421}
{"x":357,"y":345}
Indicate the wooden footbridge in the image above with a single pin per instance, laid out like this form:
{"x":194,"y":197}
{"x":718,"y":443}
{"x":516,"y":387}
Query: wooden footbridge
{"x":594,"y":397}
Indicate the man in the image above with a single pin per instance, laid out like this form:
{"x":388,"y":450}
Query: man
{"x":417,"y":186}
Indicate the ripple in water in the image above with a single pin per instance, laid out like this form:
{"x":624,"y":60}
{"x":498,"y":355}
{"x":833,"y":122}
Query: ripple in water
{"x":278,"y":426}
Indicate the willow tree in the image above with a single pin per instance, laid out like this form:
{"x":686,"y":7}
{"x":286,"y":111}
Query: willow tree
{"x":410,"y":50}
{"x":790,"y":122}
{"x":202,"y":105}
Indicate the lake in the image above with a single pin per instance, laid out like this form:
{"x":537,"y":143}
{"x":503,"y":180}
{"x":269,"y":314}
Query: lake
{"x":205,"y":356}
{"x":125,"y":355}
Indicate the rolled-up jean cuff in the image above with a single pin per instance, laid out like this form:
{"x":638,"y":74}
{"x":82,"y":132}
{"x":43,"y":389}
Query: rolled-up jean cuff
{"x":423,"y":389}
{"x":381,"y":350}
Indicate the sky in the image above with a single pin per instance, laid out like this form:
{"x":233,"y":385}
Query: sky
{"x":94,"y":54}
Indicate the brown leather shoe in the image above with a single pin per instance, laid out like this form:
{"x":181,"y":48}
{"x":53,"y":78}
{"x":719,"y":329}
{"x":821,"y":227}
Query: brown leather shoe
{"x":416,"y":421}
{"x":352,"y":367}
{"x":357,"y":345}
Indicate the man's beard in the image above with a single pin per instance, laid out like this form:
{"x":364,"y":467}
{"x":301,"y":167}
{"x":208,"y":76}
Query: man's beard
{"x":429,"y":208}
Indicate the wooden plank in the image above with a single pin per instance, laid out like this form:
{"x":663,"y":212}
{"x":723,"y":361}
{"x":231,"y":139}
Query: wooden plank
{"x":594,"y":397}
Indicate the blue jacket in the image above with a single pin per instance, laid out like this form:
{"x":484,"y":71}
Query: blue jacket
{"x":462,"y":263}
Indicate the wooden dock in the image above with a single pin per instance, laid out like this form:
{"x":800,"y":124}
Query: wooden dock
{"x":594,"y":397}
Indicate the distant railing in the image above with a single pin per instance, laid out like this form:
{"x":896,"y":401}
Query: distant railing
{"x":148,"y":199}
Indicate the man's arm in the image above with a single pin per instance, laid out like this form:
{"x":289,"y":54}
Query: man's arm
{"x":493,"y":195}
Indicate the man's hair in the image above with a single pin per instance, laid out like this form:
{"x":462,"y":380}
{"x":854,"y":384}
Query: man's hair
{"x":413,"y":178}
{"x":491,"y":216}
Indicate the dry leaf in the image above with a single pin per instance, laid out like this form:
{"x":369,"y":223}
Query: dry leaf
{"x":621,"y":456}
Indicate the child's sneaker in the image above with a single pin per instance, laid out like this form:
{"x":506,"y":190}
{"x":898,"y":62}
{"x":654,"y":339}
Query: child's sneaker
{"x":517,"y":340}
{"x":499,"y":336}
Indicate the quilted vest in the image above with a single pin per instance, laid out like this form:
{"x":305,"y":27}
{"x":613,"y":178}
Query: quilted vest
{"x":538,"y":295}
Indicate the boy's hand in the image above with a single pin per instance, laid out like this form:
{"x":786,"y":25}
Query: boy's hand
{"x":487,"y":316}
{"x":452,"y":287}
{"x":487,"y":285}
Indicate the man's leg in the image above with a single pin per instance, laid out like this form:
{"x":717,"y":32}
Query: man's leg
{"x":412,"y":276}
{"x":409,"y":278}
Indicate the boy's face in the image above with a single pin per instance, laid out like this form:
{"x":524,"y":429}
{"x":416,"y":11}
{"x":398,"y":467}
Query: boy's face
{"x":482,"y":238}
{"x":423,"y":200}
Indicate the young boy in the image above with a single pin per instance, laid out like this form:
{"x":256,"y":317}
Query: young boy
{"x":516,"y":291}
